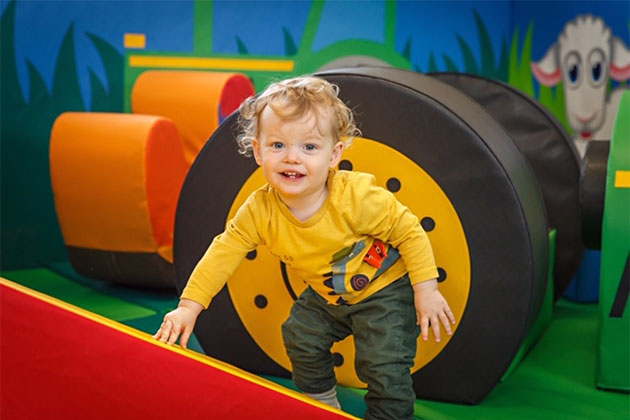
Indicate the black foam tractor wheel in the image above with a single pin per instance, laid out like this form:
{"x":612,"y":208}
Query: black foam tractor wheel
{"x":456,"y":169}
{"x":551,"y":153}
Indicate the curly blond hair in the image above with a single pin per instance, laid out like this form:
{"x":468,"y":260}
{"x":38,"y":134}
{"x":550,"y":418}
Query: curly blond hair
{"x":291,"y":99}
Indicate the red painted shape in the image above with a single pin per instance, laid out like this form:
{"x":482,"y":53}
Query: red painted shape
{"x":620,"y":74}
{"x":544,"y":78}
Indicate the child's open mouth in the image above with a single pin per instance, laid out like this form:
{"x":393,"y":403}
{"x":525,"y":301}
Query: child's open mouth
{"x":292,"y":175}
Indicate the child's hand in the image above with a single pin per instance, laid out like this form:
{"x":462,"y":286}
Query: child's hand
{"x":432,"y":308}
{"x":179,"y":321}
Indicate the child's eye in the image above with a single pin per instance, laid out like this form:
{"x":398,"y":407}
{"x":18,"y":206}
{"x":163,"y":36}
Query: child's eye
{"x":277,"y":145}
{"x":310,"y":147}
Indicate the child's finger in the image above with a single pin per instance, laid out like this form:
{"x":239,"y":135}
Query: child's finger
{"x":435,"y":323}
{"x":166,"y":331}
{"x":445,"y":323}
{"x":185,"y":336}
{"x":449,"y":314}
{"x":174,"y":334}
{"x":158,"y":334}
{"x":424,"y":328}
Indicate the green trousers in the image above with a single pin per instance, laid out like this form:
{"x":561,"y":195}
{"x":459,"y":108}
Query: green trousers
{"x":385,"y":336}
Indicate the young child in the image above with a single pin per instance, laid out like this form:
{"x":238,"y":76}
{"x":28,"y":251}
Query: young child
{"x":368,"y":263}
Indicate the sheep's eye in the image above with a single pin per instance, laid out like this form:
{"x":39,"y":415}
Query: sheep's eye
{"x":574,"y":72}
{"x":573,"y":68}
{"x":597,"y":65}
{"x":596,"y":71}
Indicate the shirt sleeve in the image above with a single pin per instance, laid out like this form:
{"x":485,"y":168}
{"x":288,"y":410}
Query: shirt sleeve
{"x":225,"y":253}
{"x":380,"y":215}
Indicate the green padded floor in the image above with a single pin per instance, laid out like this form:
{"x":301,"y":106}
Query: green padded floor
{"x":50,"y":283}
{"x":555,"y":381}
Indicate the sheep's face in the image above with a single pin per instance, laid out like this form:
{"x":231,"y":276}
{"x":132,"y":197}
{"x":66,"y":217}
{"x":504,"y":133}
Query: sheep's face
{"x":584,"y":54}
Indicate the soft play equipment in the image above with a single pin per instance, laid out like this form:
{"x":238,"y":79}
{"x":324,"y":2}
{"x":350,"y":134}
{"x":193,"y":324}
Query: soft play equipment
{"x":551,"y":153}
{"x":197,"y":101}
{"x":585,"y":285}
{"x":457,"y":168}
{"x":116,"y":179}
{"x":614,"y":306}
{"x":59,"y":361}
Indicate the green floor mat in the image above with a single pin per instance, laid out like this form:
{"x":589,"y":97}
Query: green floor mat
{"x":50,"y":283}
{"x":555,"y":381}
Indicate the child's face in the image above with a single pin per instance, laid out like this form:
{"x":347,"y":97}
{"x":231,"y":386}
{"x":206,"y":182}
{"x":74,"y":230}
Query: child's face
{"x":295,"y":155}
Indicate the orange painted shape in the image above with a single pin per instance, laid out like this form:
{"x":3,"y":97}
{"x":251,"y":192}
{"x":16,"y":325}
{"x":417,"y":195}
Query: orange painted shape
{"x":116,"y":179}
{"x":191,"y":99}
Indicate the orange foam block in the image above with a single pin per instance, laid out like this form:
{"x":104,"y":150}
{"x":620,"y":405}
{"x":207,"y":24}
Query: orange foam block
{"x":197,"y":101}
{"x":59,"y":361}
{"x":116,"y":179}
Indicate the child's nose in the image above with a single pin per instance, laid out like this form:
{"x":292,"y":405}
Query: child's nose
{"x":292,"y":154}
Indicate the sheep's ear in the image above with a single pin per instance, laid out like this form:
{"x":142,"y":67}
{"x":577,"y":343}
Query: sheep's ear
{"x":619,"y":60}
{"x":547,"y":71}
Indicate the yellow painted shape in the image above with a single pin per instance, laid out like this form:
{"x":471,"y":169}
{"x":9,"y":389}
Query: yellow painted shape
{"x":622,"y":179}
{"x":238,"y":64}
{"x":137,"y":41}
{"x":419,"y":192}
{"x":201,"y":358}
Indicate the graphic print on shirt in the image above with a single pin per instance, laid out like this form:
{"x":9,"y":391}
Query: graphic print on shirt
{"x":378,"y":259}
{"x":336,"y":278}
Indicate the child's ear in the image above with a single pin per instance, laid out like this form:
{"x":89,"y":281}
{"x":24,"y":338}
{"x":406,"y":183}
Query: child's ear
{"x":336,"y":154}
{"x":256,"y":149}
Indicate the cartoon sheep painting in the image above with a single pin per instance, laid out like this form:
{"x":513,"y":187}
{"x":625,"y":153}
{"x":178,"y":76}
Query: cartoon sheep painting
{"x":584,"y":58}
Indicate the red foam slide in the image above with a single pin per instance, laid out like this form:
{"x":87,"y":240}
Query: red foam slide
{"x":60,"y":362}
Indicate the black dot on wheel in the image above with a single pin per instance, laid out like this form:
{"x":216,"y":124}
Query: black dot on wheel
{"x":345,"y":165}
{"x":260,"y":301}
{"x":393,"y":184}
{"x":251,"y":255}
{"x":441,"y":274}
{"x":337,"y":359}
{"x":428,"y":224}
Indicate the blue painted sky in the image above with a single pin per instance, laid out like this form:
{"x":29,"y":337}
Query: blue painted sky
{"x":550,"y":18}
{"x":168,"y":24}
{"x":258,"y":24}
{"x":41,"y":25}
{"x":432,"y":26}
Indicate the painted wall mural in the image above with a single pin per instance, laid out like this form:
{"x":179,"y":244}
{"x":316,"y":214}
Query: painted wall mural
{"x":70,"y":55}
{"x":585,"y":58}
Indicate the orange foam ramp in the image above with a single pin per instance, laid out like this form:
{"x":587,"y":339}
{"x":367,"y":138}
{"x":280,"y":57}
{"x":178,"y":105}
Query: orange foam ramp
{"x":59,"y":361}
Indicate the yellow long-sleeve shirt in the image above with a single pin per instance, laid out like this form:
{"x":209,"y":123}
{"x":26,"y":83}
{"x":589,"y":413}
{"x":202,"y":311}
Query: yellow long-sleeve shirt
{"x":328,"y":250}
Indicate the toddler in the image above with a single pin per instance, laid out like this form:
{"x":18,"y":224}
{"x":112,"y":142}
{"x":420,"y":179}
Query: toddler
{"x":368,"y":263}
